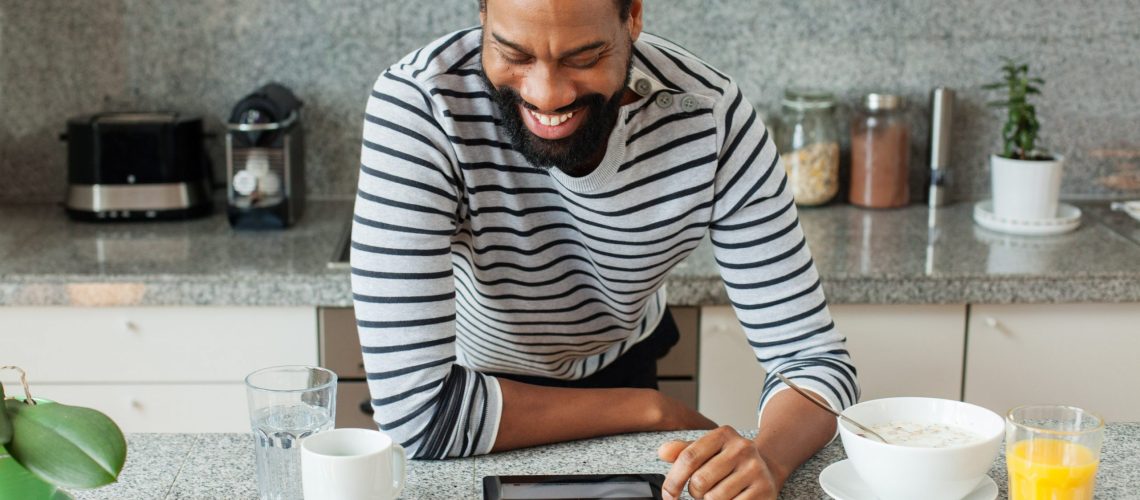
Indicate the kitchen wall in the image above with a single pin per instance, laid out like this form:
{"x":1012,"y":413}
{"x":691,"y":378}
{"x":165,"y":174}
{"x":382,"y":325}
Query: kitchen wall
{"x":60,"y":58}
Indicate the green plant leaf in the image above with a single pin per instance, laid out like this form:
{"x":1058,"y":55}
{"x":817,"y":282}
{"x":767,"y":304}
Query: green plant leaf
{"x":68,"y":446}
{"x":5,"y":424}
{"x":17,"y":482}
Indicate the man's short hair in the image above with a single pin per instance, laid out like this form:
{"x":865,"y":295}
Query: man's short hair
{"x":622,"y":5}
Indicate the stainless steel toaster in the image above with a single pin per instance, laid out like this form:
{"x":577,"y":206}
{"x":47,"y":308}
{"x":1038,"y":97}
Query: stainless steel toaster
{"x":136,"y":166}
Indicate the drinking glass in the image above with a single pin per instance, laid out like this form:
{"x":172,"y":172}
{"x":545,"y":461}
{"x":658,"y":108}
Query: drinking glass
{"x":1052,"y":452}
{"x":287,"y":403}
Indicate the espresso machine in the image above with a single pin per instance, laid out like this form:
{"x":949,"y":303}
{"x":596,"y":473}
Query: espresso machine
{"x":264,"y":160}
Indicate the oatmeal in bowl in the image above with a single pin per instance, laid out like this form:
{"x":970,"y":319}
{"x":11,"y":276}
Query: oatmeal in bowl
{"x":936,"y":448}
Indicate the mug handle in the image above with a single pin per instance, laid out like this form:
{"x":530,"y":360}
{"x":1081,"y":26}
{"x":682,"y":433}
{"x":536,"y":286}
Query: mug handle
{"x":398,"y":473}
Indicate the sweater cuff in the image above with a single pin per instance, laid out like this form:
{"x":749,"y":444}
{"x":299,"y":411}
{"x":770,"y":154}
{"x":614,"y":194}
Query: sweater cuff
{"x":494,"y":415}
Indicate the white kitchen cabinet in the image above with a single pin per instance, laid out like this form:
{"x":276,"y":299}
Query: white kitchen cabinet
{"x":1075,"y":354}
{"x":905,"y":350}
{"x":158,"y":407}
{"x":898,"y":350}
{"x":154,"y":369}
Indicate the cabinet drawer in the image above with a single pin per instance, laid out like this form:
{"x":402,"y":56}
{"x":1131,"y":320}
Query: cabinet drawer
{"x":157,"y":407}
{"x":354,"y":405}
{"x":154,"y":344}
{"x":340,"y":343}
{"x":1070,"y":354}
{"x":682,"y":358}
{"x":905,"y":350}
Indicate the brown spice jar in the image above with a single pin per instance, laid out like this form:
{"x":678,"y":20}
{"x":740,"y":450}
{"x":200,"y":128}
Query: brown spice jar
{"x":880,"y":155}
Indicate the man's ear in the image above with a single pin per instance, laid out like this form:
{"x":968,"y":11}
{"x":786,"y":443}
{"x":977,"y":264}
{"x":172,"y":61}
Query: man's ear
{"x":635,"y":9}
{"x":482,"y":18}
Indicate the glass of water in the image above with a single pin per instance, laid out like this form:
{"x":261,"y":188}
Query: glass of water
{"x":287,"y":403}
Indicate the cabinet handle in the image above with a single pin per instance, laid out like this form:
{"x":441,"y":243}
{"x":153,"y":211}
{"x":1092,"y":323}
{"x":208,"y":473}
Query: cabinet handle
{"x":993,"y":322}
{"x":136,"y":404}
{"x":132,"y":326}
{"x":366,"y":407}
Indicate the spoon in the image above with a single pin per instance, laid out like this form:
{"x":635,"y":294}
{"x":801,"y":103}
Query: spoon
{"x":828,"y":408}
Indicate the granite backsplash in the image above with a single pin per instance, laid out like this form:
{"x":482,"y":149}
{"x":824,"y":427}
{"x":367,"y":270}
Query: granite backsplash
{"x":60,"y":58}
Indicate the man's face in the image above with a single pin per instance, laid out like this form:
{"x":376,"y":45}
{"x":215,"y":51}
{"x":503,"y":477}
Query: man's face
{"x":558,"y":71}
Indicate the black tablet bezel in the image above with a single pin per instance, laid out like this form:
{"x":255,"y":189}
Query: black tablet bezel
{"x":492,"y":485}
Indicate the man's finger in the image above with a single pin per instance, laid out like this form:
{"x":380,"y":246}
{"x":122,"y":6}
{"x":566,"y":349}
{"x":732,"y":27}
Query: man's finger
{"x":691,"y":458}
{"x":729,"y":487}
{"x":716,"y":469}
{"x":669,"y":451}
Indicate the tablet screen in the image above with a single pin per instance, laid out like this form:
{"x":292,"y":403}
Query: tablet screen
{"x":617,"y":489}
{"x":573,"y":487}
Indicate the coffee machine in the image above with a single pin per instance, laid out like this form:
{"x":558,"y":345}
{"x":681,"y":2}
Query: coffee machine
{"x":264,"y":160}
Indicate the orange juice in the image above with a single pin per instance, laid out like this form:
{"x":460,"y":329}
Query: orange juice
{"x":1050,"y":469}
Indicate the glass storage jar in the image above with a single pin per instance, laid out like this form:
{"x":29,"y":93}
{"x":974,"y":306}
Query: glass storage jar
{"x":808,"y":140}
{"x":880,"y":153}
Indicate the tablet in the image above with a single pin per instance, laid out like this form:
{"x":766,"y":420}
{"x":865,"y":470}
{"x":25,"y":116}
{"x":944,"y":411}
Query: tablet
{"x":576,"y":487}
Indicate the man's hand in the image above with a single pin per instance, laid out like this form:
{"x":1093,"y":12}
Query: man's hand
{"x":721,"y":465}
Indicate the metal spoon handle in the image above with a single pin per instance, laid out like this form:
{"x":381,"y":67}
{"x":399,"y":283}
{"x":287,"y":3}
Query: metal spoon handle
{"x":825,"y":407}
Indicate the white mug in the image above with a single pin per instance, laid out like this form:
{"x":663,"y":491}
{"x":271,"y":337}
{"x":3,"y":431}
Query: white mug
{"x":351,"y":464}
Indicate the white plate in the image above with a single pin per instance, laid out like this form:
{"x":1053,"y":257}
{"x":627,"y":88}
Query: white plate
{"x":1068,"y":218}
{"x":841,"y":482}
{"x":1132,"y":208}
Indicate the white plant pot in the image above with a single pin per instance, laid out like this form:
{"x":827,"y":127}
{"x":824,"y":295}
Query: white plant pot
{"x":1026,"y":189}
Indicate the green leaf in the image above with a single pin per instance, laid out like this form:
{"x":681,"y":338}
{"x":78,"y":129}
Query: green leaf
{"x":68,"y":446}
{"x":17,"y":482}
{"x":5,"y":424}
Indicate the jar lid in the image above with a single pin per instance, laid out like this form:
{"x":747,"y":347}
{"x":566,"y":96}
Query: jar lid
{"x":875,"y":102}
{"x":800,"y":98}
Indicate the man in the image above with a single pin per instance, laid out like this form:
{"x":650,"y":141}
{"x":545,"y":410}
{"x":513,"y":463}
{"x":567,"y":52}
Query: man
{"x":525,"y":187}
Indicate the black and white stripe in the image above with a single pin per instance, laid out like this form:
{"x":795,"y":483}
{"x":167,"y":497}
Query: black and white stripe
{"x":468,"y":260}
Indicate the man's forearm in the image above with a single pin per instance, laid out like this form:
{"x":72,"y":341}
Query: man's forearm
{"x":794,"y":429}
{"x":534,"y":415}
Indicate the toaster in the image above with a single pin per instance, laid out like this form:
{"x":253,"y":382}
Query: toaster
{"x":136,"y":166}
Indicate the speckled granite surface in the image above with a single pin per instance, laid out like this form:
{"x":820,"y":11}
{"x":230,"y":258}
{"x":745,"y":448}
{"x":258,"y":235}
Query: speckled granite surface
{"x":64,"y":57}
{"x":216,"y":466}
{"x":864,"y":256}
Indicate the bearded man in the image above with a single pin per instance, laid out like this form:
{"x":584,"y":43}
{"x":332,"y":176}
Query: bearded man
{"x":525,"y":187}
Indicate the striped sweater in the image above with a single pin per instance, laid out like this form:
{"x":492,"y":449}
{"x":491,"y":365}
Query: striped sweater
{"x":467,"y":260}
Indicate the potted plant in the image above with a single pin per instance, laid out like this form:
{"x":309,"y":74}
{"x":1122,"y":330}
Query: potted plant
{"x":47,"y":446}
{"x":1026,"y":180}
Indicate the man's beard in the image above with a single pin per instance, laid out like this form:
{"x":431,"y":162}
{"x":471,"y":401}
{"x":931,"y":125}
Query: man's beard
{"x":571,"y":154}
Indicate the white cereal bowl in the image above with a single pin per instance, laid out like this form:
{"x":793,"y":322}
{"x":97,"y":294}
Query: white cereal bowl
{"x":897,"y":472}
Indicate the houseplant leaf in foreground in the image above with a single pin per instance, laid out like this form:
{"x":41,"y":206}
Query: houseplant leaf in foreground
{"x":5,"y":425}
{"x":68,"y":446}
{"x":17,"y":483}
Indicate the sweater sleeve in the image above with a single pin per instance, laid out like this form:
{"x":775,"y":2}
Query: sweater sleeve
{"x":767,"y":266}
{"x":406,"y":212}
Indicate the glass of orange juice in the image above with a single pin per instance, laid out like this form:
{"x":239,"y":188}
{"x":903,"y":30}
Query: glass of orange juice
{"x":1052,"y":452}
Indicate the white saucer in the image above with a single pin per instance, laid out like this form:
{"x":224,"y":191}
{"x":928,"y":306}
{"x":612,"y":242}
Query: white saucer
{"x":1132,"y":208}
{"x":841,"y":482}
{"x":1068,"y":218}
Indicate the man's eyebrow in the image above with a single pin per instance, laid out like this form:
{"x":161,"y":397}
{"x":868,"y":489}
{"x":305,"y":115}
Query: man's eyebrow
{"x":569,"y":53}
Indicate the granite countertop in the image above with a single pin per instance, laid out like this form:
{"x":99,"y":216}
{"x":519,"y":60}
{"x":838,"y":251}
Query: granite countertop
{"x":211,"y":466}
{"x":863,"y":256}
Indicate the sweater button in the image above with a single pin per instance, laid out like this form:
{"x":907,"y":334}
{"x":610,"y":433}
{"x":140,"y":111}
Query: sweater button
{"x":642,"y":86}
{"x":664,"y":99}
{"x":688,"y":104}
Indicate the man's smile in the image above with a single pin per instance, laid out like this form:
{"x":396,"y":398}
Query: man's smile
{"x":552,"y":126}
